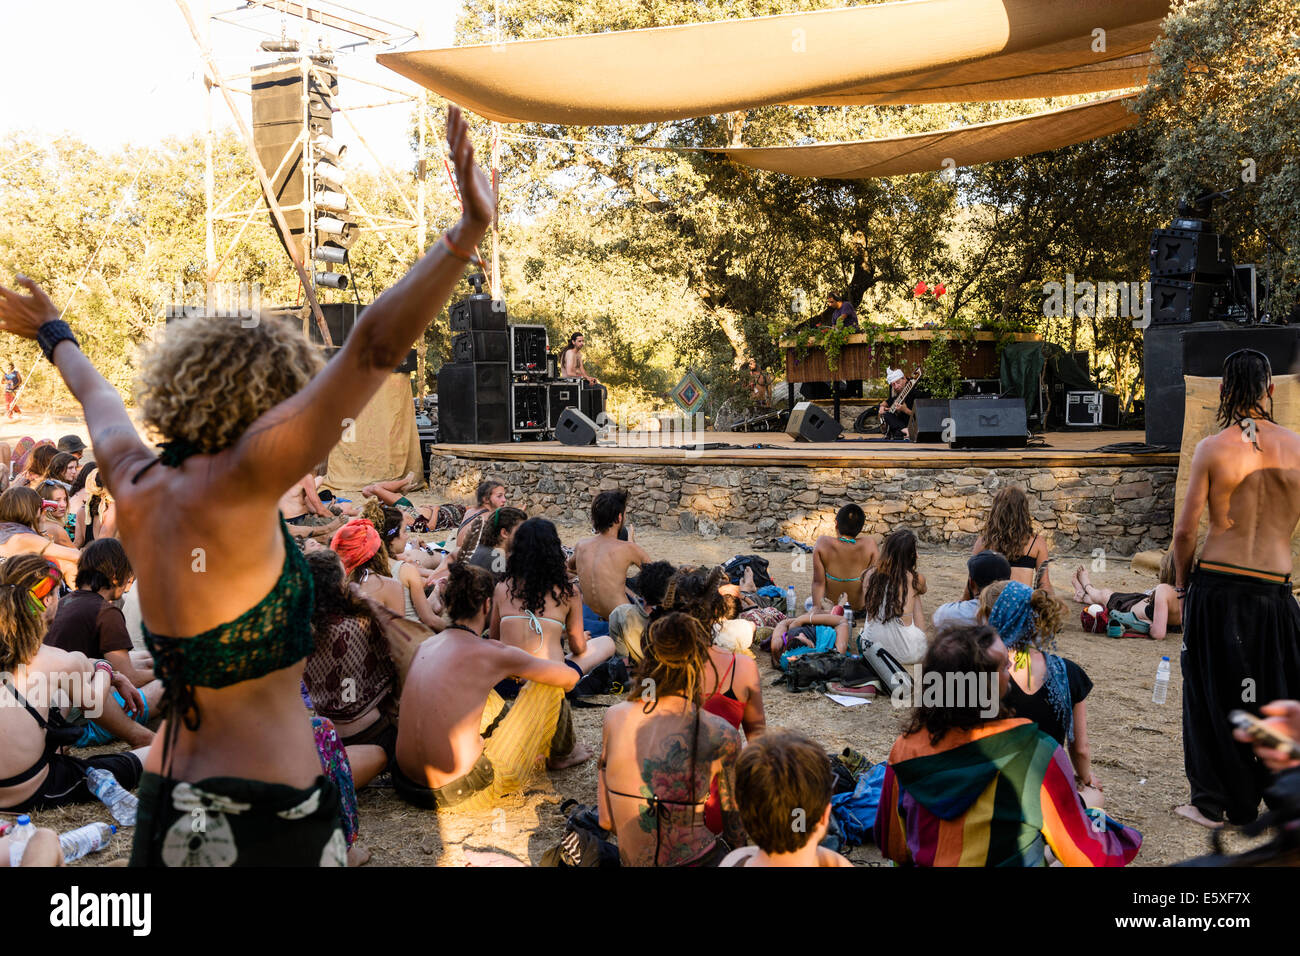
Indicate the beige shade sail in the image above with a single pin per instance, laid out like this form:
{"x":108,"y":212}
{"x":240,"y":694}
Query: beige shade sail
{"x":965,"y":146}
{"x":921,"y":48}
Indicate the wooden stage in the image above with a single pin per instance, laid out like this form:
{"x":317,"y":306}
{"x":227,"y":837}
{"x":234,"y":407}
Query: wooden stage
{"x":1064,"y":449}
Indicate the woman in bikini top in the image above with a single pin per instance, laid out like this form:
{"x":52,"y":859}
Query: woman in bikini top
{"x":1010,"y":531}
{"x":246,"y":410}
{"x":537,"y":605}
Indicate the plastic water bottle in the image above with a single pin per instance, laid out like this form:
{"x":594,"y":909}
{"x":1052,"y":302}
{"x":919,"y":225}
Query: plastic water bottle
{"x":18,"y":839}
{"x":85,"y":840}
{"x":1162,"y":682}
{"x":120,"y":802}
{"x":808,"y":604}
{"x":848,"y":612}
{"x":790,"y":600}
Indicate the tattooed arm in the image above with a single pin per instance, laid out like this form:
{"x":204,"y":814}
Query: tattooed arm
{"x":728,"y":750}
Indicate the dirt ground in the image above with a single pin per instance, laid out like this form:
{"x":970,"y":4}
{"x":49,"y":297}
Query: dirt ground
{"x":1136,"y":745}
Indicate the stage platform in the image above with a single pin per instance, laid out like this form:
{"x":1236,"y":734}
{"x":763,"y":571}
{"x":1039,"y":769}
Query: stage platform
{"x":1067,"y":449}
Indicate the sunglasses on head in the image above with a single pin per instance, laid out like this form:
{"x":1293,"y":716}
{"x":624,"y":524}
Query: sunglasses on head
{"x":1267,"y":364}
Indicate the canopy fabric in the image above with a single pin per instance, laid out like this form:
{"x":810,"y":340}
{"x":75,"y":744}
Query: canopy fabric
{"x":917,"y":51}
{"x":965,"y":146}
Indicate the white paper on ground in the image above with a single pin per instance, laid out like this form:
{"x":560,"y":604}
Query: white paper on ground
{"x":848,"y":701}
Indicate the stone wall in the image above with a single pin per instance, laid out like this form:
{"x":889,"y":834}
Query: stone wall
{"x":1119,"y":509}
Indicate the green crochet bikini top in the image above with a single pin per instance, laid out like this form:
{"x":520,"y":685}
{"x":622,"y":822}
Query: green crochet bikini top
{"x":273,"y":634}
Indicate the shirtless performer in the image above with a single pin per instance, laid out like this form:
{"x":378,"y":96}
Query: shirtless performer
{"x":840,"y":562}
{"x":305,"y":513}
{"x":571,"y":364}
{"x":459,"y":745}
{"x":1241,"y":626}
{"x":1155,"y":613}
{"x":602,"y":561}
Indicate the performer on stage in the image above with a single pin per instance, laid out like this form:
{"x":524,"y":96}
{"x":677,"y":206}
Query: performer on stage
{"x":760,"y":384}
{"x":571,"y":364}
{"x":894,"y":424}
{"x":1241,"y":626}
{"x":838,"y":307}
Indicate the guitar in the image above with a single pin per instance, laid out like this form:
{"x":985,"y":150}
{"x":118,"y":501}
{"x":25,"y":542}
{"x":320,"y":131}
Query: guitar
{"x":907,"y":390}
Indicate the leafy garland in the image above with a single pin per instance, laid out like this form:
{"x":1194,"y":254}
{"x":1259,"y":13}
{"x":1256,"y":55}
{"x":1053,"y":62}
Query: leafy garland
{"x":831,"y":340}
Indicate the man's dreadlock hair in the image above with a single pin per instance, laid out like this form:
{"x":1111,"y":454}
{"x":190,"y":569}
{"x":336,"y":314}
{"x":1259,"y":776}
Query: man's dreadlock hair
{"x":1246,"y":377}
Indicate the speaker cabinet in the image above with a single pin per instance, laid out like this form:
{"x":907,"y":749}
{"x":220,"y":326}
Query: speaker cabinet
{"x":989,"y":423}
{"x":473,"y":403}
{"x":1185,"y":253}
{"x":480,"y":347}
{"x":575,"y":428}
{"x":592,"y":400}
{"x":562,"y":395}
{"x":340,"y":318}
{"x":475,"y":314}
{"x":528,"y":346}
{"x":809,"y":422}
{"x":928,"y":417}
{"x":1180,"y":302}
{"x":528,"y":408}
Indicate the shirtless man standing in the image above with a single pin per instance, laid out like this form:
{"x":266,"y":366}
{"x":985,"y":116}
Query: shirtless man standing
{"x":840,"y":562}
{"x":1241,"y":626}
{"x":459,"y":744}
{"x":602,"y":561}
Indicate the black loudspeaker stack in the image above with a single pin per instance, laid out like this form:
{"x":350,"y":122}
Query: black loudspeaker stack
{"x":475,"y":397}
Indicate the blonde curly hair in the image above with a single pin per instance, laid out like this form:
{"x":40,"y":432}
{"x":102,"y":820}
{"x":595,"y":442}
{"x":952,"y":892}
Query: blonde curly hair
{"x":207,"y":380}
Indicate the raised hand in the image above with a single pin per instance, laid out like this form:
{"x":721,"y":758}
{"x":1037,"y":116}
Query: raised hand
{"x":24,"y":314}
{"x":476,"y":191}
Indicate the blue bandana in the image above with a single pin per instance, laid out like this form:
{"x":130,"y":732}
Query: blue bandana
{"x":1013,"y":618}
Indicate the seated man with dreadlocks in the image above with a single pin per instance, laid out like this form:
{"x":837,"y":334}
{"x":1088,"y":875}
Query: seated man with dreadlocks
{"x":459,"y":744}
{"x":1241,"y":626}
{"x":661,"y":751}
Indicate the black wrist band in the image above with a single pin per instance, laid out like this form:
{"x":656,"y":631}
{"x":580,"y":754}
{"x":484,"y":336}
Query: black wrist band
{"x":53,"y":332}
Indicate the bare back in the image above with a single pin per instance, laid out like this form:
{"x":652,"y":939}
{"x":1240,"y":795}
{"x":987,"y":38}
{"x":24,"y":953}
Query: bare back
{"x":842,"y":565}
{"x":1253,"y":496}
{"x":512,"y":626}
{"x":603,"y":562}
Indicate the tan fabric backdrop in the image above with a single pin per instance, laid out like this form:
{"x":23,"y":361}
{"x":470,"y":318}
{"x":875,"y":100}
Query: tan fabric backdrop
{"x":966,"y":146}
{"x":923,"y":51}
{"x":1199,"y":422}
{"x":385,"y":445}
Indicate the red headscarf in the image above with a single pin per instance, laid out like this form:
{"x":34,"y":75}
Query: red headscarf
{"x":355,"y":543}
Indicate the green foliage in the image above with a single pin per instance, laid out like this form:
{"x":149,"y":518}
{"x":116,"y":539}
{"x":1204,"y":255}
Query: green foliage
{"x":943,"y":369}
{"x":1224,"y":108}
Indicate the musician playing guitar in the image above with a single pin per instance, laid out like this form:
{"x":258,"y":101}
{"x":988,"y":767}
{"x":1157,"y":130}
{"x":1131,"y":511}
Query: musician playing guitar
{"x":896,"y":412}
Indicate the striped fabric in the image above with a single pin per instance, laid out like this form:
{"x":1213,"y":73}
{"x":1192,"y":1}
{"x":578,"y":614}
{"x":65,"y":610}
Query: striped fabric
{"x":997,"y":795}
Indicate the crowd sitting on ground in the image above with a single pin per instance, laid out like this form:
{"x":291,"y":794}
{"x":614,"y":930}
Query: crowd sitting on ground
{"x":480,"y":644}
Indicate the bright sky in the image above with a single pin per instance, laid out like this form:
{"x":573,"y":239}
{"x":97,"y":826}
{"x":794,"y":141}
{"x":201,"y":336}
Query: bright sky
{"x":114,"y":72}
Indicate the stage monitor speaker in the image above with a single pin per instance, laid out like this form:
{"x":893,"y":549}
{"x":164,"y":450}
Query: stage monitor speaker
{"x":480,"y":347}
{"x":575,"y":428}
{"x":474,"y":403}
{"x":928,"y":417}
{"x":1187,"y":254}
{"x":1179,"y":302}
{"x":277,"y":126}
{"x":562,"y":395}
{"x":989,"y":423}
{"x":528,"y":346}
{"x":809,"y":422}
{"x":340,"y":319}
{"x":591,"y":399}
{"x":475,"y":314}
